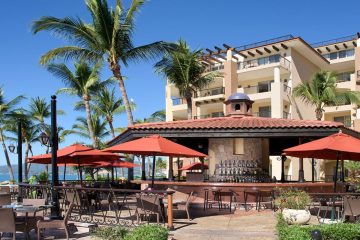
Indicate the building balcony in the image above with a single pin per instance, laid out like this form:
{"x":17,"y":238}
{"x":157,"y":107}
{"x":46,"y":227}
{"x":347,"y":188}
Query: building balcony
{"x":210,"y":95}
{"x":178,"y":101}
{"x":212,"y":68}
{"x":339,"y":108}
{"x":264,"y":62}
{"x":211,"y":115}
{"x":266,"y":114}
{"x":286,"y":115}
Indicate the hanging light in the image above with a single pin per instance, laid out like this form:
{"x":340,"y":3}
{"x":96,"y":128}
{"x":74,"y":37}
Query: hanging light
{"x":11,"y":148}
{"x":44,"y":139}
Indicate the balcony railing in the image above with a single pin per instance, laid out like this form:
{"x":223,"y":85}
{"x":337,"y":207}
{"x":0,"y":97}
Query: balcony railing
{"x":215,"y":68}
{"x":287,"y":89}
{"x":211,"y":115}
{"x":262,"y":114}
{"x":286,"y":115}
{"x":211,"y":92}
{"x":334,"y":41}
{"x":265,"y":61}
{"x":265,"y":42}
{"x":178,"y":101}
{"x":257,"y":89}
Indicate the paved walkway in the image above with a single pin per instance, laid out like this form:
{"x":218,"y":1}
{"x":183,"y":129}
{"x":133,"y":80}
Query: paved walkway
{"x":241,"y":225}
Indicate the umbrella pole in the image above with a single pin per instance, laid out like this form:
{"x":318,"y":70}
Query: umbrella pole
{"x":64,"y":171}
{"x":335,"y":180}
{"x":143,"y":175}
{"x":153,"y":172}
{"x":342,"y":171}
{"x":312,"y":170}
{"x":112,"y":174}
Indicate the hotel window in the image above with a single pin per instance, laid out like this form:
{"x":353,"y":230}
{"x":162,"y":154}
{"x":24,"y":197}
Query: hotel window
{"x":344,"y":77}
{"x":264,"y":86}
{"x":339,"y":54}
{"x":238,"y":146}
{"x":265,"y":111}
{"x":346,"y":120}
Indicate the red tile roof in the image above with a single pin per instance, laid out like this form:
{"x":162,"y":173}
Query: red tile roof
{"x":237,"y":122}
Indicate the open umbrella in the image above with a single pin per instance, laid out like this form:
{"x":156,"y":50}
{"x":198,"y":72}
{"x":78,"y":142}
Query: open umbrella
{"x":194,"y":166}
{"x":154,"y":145}
{"x":75,"y":154}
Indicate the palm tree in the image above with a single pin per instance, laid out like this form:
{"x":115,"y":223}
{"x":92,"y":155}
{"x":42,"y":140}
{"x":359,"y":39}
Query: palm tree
{"x":321,"y":91}
{"x":183,"y":68}
{"x":5,"y":108}
{"x":81,"y":129}
{"x":158,"y":116}
{"x":109,"y":36}
{"x":107,"y":105}
{"x":84,"y":82}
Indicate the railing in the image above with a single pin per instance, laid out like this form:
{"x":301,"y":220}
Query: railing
{"x":211,"y":92}
{"x":211,"y":115}
{"x":287,"y":177}
{"x":262,"y":114}
{"x":286,"y":115}
{"x":103,"y":206}
{"x":265,"y":42}
{"x":287,"y":89}
{"x":178,"y":101}
{"x":215,"y":68}
{"x":334,"y":41}
{"x":265,"y":61}
{"x":257,"y":89}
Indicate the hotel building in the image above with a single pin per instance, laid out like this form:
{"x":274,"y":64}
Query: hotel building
{"x":266,"y":72}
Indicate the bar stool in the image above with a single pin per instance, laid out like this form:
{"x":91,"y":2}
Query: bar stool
{"x":268,"y":193}
{"x":216,"y":198}
{"x":252,"y":191}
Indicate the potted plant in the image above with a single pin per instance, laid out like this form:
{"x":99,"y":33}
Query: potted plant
{"x":292,"y":204}
{"x":42,"y":178}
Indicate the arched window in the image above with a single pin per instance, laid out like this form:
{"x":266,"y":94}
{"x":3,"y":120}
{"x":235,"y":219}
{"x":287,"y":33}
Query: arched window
{"x":237,"y":107}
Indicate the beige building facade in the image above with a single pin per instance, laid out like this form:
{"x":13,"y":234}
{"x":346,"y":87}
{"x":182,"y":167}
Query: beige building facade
{"x":267,"y":72}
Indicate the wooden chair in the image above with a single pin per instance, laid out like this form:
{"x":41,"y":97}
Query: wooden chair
{"x":5,"y":199}
{"x":148,"y":205}
{"x":182,"y":204}
{"x":351,"y":207}
{"x":9,"y":224}
{"x":53,"y":224}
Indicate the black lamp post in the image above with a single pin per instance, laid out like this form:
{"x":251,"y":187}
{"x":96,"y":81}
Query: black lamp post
{"x":19,"y":152}
{"x":52,"y":141}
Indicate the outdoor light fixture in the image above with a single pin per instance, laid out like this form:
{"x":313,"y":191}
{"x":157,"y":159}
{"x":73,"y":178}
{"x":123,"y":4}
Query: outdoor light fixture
{"x":316,"y":235}
{"x":44,"y":139}
{"x":11,"y":148}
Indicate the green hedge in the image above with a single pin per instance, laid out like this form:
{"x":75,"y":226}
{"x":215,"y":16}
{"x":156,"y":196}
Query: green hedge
{"x":339,"y":231}
{"x":143,"y":232}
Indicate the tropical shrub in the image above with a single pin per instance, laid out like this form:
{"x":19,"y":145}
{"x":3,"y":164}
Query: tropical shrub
{"x":143,"y":232}
{"x":42,"y":177}
{"x":292,"y":199}
{"x":110,"y":233}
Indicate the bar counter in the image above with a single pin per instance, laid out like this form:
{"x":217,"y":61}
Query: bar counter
{"x":238,"y":188}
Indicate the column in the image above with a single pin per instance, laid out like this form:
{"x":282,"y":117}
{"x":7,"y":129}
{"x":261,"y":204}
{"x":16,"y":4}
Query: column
{"x":230,"y":76}
{"x":143,"y":174}
{"x":171,"y":169}
{"x":301,"y":166}
{"x":168,"y":102}
{"x":277,"y":89}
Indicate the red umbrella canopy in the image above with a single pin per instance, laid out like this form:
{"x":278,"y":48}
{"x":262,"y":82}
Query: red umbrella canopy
{"x":194,"y":166}
{"x":154,"y":145}
{"x":117,"y":163}
{"x":75,"y":154}
{"x":346,"y":146}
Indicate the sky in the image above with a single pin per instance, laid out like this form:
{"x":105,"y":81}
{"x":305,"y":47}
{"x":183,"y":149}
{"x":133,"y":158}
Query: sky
{"x":202,"y":23}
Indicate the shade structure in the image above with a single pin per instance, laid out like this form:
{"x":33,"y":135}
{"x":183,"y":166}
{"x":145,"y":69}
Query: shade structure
{"x":154,"y":145}
{"x":194,"y":166}
{"x":338,"y":146}
{"x":117,"y":164}
{"x":328,"y":148}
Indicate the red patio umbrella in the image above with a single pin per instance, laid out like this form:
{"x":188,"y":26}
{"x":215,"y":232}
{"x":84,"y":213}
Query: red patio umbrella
{"x":154,"y":145}
{"x":194,"y":166}
{"x":117,"y":163}
{"x":336,"y":146}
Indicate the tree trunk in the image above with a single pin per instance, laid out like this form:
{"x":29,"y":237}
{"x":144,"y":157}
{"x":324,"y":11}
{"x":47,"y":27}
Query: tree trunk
{"x":189,"y":105}
{"x":25,"y":163}
{"x":115,"y":68}
{"x":11,"y":173}
{"x":111,"y":128}
{"x":89,"y":122}
{"x":319,"y":113}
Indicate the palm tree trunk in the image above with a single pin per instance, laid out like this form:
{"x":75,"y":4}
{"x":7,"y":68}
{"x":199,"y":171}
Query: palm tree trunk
{"x":89,"y":122}
{"x":319,"y":113}
{"x":11,"y":173}
{"x":111,"y":128}
{"x":115,"y":68}
{"x":25,"y":163}
{"x":189,"y":105}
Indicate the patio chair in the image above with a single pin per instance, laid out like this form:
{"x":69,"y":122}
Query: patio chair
{"x":4,"y":189}
{"x":182,"y":202}
{"x":32,"y":220}
{"x":351,"y":207}
{"x":5,"y":199}
{"x":9,"y":224}
{"x":148,"y":205}
{"x":325,"y":212}
{"x":53,"y":224}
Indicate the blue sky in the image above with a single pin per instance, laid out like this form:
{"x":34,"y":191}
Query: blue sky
{"x":203,"y":23}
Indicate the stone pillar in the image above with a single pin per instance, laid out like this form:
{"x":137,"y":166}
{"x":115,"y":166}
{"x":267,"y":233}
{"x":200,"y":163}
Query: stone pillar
{"x":277,"y":88}
{"x":171,"y":169}
{"x":230,"y":75}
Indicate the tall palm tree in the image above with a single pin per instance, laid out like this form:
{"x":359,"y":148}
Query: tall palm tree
{"x":5,"y":108}
{"x":321,"y":91}
{"x":81,"y":129}
{"x":183,"y":68}
{"x":83,"y":82}
{"x":109,"y":36}
{"x":158,"y":116}
{"x":107,"y":105}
